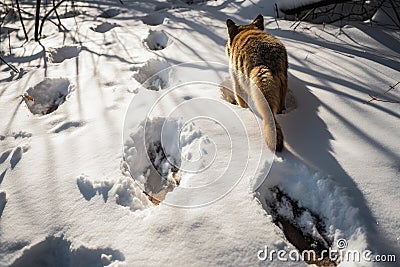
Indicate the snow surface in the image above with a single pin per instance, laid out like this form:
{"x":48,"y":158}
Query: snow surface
{"x":67,"y":191}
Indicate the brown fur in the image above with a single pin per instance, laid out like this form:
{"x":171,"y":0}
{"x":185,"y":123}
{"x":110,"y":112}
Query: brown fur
{"x":262,"y":58}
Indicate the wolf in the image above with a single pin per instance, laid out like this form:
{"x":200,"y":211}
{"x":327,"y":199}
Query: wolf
{"x":260,"y":58}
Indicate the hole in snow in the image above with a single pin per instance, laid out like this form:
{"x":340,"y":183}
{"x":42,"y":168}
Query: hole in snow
{"x":71,"y":14}
{"x":110,"y":13}
{"x":3,"y":201}
{"x":302,"y":227}
{"x":156,"y":40}
{"x":313,"y":211}
{"x":47,"y":96}
{"x":156,"y":152}
{"x":59,"y":54}
{"x":153,"y":19}
{"x":57,"y":251}
{"x":103,"y":27}
{"x":154,"y":75}
{"x":192,"y":2}
{"x":156,"y":171}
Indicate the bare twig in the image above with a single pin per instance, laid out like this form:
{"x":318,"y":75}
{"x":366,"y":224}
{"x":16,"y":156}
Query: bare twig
{"x":9,"y":41}
{"x":303,"y":18}
{"x":58,"y":17}
{"x":22,"y":22}
{"x":37,"y":18}
{"x":276,"y":15}
{"x":395,"y":11}
{"x":376,"y":98}
{"x":48,"y":14}
{"x":9,"y":65}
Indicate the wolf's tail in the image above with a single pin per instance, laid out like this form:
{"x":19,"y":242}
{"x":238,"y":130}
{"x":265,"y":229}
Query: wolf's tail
{"x":265,"y":90}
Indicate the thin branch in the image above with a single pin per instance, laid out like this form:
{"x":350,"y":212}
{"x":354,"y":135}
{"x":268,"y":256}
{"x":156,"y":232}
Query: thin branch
{"x":322,"y":3}
{"x":276,"y":15}
{"x":395,"y":11}
{"x":303,"y":18}
{"x":376,"y":98}
{"x":48,"y":14}
{"x":9,"y":65}
{"x":37,"y":18}
{"x":22,"y":22}
{"x":55,"y":11}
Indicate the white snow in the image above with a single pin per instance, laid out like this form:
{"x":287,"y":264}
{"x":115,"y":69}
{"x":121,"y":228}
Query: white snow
{"x":127,"y":100}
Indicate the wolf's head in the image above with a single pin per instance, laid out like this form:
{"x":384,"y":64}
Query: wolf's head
{"x":234,"y":29}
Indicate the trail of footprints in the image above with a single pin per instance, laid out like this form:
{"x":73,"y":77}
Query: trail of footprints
{"x":17,"y":145}
{"x":154,"y":75}
{"x":57,"y":250}
{"x":124,"y":191}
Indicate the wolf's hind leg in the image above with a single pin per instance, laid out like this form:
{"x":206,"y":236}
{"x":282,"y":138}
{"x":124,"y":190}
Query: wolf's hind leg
{"x":282,"y":81}
{"x":239,"y":93}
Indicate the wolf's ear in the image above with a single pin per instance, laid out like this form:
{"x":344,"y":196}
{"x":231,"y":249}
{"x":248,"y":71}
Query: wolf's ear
{"x":259,"y":22}
{"x":232,"y":28}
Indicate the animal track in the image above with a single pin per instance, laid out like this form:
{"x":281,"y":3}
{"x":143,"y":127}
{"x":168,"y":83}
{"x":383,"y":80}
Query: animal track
{"x":104,"y":27}
{"x":57,"y":251}
{"x":303,"y":228}
{"x":154,"y":19}
{"x":3,"y":201}
{"x":21,"y":134}
{"x":13,"y":154}
{"x":68,"y":126}
{"x":309,"y":221}
{"x":89,"y":188}
{"x":156,"y":40}
{"x":148,"y":163}
{"x":125,"y":191}
{"x":16,"y":157}
{"x":5,"y":155}
{"x":154,"y":75}
{"x":71,"y":14}
{"x":193,"y":2}
{"x":59,"y":54}
{"x":46,"y":96}
{"x":110,"y":13}
{"x":157,"y":166}
{"x":128,"y":194}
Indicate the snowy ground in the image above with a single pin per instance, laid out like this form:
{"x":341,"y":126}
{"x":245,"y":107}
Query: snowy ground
{"x":68,"y":148}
